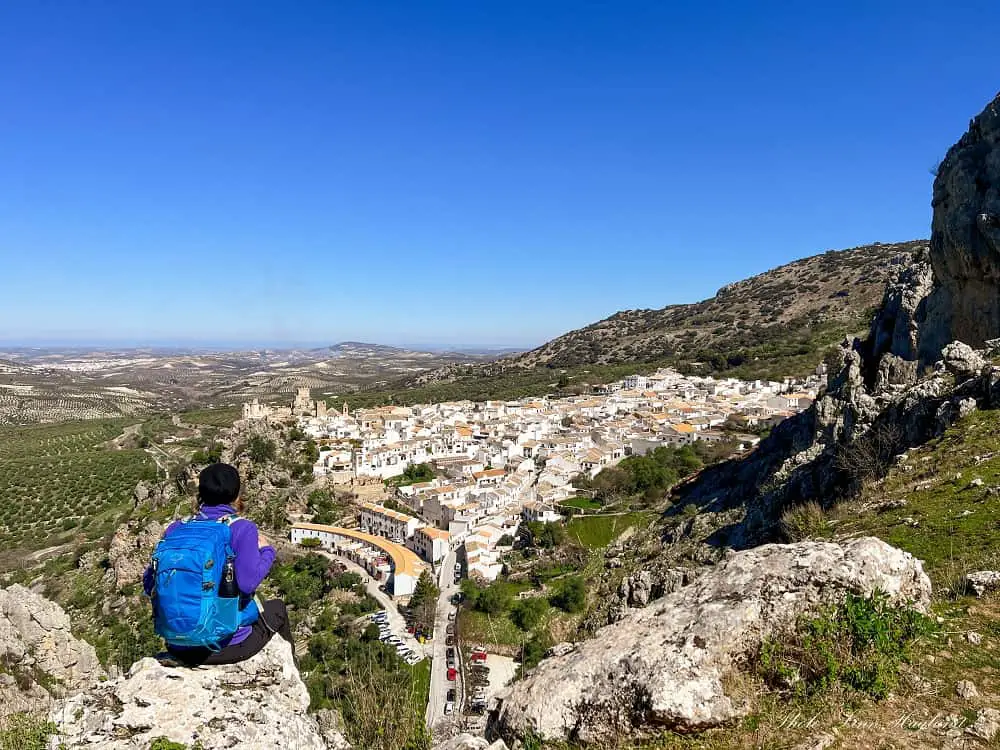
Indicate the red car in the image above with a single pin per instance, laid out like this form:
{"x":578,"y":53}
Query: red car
{"x":452,"y":674}
{"x":478,"y":656}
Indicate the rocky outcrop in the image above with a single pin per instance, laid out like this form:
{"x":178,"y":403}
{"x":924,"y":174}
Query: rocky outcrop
{"x":851,"y":434}
{"x":258,"y":703}
{"x":130,"y":551}
{"x":965,"y":241}
{"x":896,"y":328}
{"x":666,"y":666}
{"x":39,"y":653}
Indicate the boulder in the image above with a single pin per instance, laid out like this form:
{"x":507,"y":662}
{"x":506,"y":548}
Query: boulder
{"x":983,"y":582}
{"x":986,"y":726}
{"x":469,"y":742}
{"x":665,"y":666}
{"x":36,"y":637}
{"x":258,"y":703}
{"x":966,"y":690}
{"x":962,"y":361}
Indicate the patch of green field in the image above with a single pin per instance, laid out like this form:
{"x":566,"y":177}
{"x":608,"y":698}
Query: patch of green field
{"x":483,"y":629}
{"x":420,"y":675}
{"x":58,"y":479}
{"x":582,"y":503}
{"x":597,"y":532}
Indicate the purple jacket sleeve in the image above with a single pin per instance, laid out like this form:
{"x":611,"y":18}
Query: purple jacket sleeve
{"x":252,"y":564}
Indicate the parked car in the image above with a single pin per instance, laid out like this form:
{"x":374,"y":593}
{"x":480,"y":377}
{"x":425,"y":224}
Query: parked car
{"x":450,"y":630}
{"x":450,"y":641}
{"x":449,"y":707}
{"x":452,"y":675}
{"x":451,"y":616}
{"x":451,"y":695}
{"x":451,"y":652}
{"x":478,"y":655}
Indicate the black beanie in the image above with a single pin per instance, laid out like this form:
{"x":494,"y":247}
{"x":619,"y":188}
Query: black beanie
{"x":218,"y":484}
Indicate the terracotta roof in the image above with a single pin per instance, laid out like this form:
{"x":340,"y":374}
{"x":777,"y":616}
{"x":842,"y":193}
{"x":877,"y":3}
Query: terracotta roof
{"x":434,"y":533}
{"x":488,"y":473}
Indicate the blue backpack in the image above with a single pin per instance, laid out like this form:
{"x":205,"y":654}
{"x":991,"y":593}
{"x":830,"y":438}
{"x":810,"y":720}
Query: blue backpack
{"x":196,"y":602}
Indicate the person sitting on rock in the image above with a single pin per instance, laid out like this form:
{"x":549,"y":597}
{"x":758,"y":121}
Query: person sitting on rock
{"x":204,"y":576}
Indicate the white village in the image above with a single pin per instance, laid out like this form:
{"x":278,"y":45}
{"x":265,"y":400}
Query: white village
{"x":498,"y":463}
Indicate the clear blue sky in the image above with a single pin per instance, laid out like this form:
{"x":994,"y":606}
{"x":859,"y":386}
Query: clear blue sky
{"x":453,"y":172}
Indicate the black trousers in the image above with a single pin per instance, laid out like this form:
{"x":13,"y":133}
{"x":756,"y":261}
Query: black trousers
{"x":273,"y":619}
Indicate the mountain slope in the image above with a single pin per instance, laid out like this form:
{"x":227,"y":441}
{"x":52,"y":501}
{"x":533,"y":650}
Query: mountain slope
{"x":790,"y":311}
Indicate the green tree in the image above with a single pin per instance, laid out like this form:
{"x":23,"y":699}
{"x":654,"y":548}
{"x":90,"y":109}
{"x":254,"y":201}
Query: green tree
{"x":261,"y":450}
{"x":570,"y":596}
{"x":423,"y":603}
{"x":495,"y":598}
{"x":545,"y":535}
{"x":527,"y":613}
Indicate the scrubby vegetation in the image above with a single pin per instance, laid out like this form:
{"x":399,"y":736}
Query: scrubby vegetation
{"x":859,"y":645}
{"x":21,"y":731}
{"x":650,"y":476}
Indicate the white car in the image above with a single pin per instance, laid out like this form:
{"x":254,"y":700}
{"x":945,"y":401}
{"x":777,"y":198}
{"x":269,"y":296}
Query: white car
{"x":449,"y":707}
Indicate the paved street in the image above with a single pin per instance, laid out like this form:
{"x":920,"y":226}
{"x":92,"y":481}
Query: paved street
{"x":437,"y":648}
{"x":396,"y":622}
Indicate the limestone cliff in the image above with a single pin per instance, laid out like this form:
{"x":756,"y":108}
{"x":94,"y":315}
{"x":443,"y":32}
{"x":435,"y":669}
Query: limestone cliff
{"x":965,"y":241}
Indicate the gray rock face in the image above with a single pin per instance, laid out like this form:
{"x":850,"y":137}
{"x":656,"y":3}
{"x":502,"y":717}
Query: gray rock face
{"x":35,"y":635}
{"x":965,"y":241}
{"x":258,"y":703}
{"x":130,"y":551}
{"x":896,"y":328}
{"x":665,"y":666}
{"x":638,"y":589}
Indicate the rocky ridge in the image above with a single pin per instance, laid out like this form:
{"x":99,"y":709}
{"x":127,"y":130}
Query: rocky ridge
{"x":666,"y":666}
{"x":834,"y":289}
{"x":40,"y":656}
{"x":259,"y":703}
